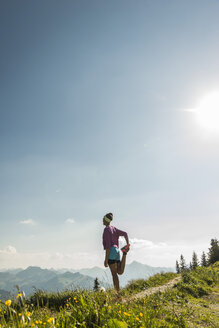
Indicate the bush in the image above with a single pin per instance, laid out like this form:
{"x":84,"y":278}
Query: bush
{"x":192,"y":289}
{"x":197,"y":282}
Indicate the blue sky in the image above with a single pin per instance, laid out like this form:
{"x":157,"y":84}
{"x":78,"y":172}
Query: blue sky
{"x":97,"y":115}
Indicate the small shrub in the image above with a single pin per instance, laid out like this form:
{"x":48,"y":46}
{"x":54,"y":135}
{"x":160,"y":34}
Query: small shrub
{"x":192,"y":289}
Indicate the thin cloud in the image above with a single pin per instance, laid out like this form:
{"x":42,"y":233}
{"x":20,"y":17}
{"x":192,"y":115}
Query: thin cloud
{"x":70,"y":220}
{"x":161,"y":253}
{"x":139,"y":243}
{"x":8,"y":250}
{"x":10,"y":258}
{"x":141,"y":250}
{"x":28,"y":222}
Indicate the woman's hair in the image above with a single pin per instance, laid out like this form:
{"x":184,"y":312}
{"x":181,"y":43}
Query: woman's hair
{"x":109,"y":216}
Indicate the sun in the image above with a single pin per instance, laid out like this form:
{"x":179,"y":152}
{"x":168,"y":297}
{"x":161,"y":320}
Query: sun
{"x":207,"y":112}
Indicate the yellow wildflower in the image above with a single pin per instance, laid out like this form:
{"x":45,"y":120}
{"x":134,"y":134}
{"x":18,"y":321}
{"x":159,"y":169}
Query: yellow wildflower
{"x":28,"y":314}
{"x":119,"y":311}
{"x":75,"y":298}
{"x":19,"y":295}
{"x":109,"y":307}
{"x":137,"y":318}
{"x":19,"y":314}
{"x":8,"y":302}
{"x":50,"y":320}
{"x":37,"y":321}
{"x":141,"y":314}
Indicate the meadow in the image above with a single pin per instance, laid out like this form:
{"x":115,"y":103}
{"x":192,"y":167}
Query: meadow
{"x":192,"y":302}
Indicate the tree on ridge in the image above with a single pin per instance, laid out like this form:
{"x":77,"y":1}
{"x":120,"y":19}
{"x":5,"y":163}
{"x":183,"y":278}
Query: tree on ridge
{"x":182,"y":263}
{"x":213,"y":252}
{"x":194,"y":261}
{"x":96,"y":284}
{"x":177,"y":267}
{"x":204,"y":260}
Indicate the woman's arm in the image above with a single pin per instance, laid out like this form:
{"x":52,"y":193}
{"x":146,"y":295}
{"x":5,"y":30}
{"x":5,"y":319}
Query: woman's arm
{"x":127,"y":239}
{"x":124,"y":234}
{"x":106,"y":257}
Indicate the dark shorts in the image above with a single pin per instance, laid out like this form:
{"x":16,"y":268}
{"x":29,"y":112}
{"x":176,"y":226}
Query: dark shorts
{"x":113,"y":261}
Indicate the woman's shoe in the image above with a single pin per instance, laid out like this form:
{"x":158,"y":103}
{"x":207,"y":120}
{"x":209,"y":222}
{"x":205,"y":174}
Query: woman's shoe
{"x":125,"y":249}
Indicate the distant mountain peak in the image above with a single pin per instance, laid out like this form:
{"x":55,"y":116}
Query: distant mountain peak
{"x":33,"y":268}
{"x":135,"y":263}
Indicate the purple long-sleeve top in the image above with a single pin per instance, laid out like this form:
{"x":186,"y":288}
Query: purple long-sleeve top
{"x":111,"y":236}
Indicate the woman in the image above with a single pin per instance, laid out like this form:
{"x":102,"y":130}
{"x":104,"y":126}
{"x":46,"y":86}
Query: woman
{"x":111,"y":245}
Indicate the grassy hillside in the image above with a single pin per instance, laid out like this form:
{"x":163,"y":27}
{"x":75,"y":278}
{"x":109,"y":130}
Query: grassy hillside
{"x":193,"y":302}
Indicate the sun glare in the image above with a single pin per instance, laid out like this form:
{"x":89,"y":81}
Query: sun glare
{"x":207,"y":112}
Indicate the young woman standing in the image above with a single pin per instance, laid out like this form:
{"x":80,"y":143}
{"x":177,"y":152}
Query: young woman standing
{"x":111,"y":244}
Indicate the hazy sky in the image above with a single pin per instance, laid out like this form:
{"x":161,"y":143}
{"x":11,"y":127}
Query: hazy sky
{"x":99,"y":112}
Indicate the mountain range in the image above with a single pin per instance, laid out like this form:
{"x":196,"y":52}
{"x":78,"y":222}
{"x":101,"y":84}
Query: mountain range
{"x":56,"y":280}
{"x":134,"y":270}
{"x":49,"y":280}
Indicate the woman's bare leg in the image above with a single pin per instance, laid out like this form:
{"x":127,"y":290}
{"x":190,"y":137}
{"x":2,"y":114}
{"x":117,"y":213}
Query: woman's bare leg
{"x":113,"y":268}
{"x":121,"y":265}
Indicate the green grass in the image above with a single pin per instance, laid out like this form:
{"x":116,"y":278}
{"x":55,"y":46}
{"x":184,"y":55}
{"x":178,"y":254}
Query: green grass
{"x":191,"y":303}
{"x":198,"y":282}
{"x":139,"y":285}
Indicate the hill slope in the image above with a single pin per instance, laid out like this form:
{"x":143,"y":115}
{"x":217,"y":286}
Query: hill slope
{"x":190,"y":303}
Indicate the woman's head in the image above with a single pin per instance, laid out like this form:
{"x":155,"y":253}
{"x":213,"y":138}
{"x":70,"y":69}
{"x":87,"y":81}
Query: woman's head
{"x":107,"y":218}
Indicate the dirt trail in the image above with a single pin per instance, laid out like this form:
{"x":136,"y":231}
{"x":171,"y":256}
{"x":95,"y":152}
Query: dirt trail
{"x":152,"y":290}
